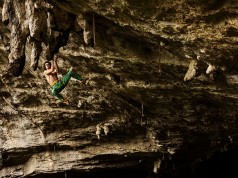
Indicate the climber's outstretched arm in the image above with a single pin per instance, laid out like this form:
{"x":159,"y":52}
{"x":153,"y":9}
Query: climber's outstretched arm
{"x":55,"y":65}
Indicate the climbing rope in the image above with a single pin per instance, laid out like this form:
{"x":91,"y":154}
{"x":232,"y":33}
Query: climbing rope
{"x":142,"y":113}
{"x":94,"y":36}
{"x":159,"y":60}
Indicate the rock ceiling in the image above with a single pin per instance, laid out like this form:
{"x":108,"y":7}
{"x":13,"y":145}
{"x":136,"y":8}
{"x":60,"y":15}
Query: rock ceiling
{"x":162,"y":95}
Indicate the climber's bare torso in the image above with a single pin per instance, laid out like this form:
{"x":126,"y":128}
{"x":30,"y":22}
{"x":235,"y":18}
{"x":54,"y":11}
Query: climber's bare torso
{"x":51,"y":72}
{"x":51,"y":77}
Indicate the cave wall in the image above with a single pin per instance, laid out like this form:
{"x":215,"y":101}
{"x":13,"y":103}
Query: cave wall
{"x":162,"y":94}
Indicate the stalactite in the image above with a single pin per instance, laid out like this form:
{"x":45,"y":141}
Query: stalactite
{"x":192,"y":71}
{"x":18,"y":36}
{"x":87,"y":32}
{"x":6,"y":12}
{"x":35,"y":53}
{"x":37,"y":20}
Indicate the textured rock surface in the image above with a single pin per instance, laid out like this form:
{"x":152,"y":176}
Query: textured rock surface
{"x":162,"y":96}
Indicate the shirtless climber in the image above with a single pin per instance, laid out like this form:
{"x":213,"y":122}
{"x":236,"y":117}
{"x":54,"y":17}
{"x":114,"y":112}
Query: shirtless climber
{"x":51,"y":74}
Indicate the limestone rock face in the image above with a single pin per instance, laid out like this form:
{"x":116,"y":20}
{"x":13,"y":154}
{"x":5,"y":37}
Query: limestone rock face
{"x":161,"y":99}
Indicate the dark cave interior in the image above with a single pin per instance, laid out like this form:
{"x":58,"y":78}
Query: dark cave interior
{"x":221,"y":164}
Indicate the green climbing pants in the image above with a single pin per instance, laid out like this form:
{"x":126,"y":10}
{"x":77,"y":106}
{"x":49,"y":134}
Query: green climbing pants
{"x":61,"y":84}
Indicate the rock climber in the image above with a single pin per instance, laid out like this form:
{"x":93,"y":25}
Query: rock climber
{"x":51,"y":73}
